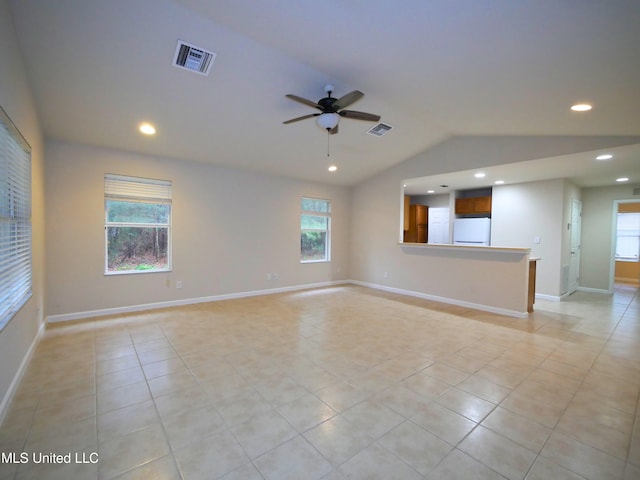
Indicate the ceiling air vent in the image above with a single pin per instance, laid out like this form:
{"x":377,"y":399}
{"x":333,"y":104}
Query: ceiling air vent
{"x":636,"y":191}
{"x":193,"y":58}
{"x":379,"y":130}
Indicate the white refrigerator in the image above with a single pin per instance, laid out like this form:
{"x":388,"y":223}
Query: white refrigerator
{"x":472,"y":231}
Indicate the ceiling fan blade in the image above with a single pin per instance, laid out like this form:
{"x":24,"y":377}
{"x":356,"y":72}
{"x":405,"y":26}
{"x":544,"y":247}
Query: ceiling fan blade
{"x":303,"y":100}
{"x":334,"y":130}
{"x":304,"y":117}
{"x":348,"y":99}
{"x":369,"y":117}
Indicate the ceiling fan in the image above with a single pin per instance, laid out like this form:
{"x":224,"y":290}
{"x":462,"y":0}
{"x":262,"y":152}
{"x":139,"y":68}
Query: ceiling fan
{"x":331,"y":109}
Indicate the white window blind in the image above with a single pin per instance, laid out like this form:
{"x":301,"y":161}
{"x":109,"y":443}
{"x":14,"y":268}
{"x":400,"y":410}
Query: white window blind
{"x":15,"y":220}
{"x":628,"y":237}
{"x":119,"y":187}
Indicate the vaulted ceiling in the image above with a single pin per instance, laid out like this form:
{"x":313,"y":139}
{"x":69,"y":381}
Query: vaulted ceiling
{"x":432,"y":69}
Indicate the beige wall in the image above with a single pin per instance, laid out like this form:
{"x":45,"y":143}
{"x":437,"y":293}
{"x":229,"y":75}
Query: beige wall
{"x":15,"y":98}
{"x":598,"y":217}
{"x":230,"y":228}
{"x":523,"y":211}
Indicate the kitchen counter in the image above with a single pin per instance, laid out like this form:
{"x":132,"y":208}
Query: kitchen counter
{"x":491,"y":278}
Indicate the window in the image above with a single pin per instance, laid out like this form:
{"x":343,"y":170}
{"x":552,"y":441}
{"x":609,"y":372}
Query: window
{"x":628,"y":237}
{"x":15,"y":220}
{"x":137,"y":224}
{"x":315,"y":230}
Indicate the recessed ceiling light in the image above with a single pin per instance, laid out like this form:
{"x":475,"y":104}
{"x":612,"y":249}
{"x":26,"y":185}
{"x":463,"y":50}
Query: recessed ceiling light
{"x":622,"y":179}
{"x":332,"y":168}
{"x":480,"y":175}
{"x":147,"y":129}
{"x":581,"y":107}
{"x":604,"y":157}
{"x":431,"y":191}
{"x":499,"y":182}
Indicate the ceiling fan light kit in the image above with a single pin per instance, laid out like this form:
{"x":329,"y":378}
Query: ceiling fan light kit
{"x":328,"y":121}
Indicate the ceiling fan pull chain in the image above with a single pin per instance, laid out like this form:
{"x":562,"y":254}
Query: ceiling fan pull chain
{"x":328,"y":141}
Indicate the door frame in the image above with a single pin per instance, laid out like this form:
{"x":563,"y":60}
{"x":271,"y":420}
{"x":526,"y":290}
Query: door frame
{"x":612,"y":254}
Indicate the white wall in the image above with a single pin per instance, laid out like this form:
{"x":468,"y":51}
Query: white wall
{"x":523,"y":211}
{"x":598,"y":235}
{"x":230,"y":228}
{"x":15,"y":98}
{"x":377,"y":210}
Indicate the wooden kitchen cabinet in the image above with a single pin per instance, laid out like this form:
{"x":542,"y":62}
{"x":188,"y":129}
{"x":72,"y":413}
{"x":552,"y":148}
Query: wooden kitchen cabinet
{"x":473,"y":205}
{"x":418,"y":218}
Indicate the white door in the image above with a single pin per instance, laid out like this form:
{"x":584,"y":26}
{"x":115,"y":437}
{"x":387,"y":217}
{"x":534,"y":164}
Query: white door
{"x":574,"y":259}
{"x":438,"y":231}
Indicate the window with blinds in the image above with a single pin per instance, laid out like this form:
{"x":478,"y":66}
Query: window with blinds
{"x":137,"y":224}
{"x":15,"y":220}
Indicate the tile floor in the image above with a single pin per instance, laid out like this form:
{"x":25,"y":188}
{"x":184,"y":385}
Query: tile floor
{"x":336,"y":383}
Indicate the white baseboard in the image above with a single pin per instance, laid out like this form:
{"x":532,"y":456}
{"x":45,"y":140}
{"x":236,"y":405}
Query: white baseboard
{"x":6,"y":401}
{"x":187,"y":301}
{"x":450,"y":301}
{"x":551,"y":298}
{"x":595,"y":290}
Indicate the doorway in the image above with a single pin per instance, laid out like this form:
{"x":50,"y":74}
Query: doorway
{"x":574,"y":258}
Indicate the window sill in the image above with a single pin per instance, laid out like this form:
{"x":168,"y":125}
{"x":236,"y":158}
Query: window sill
{"x":136,"y":272}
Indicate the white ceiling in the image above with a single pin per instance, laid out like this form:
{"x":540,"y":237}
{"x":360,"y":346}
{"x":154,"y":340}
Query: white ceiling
{"x":432,"y":69}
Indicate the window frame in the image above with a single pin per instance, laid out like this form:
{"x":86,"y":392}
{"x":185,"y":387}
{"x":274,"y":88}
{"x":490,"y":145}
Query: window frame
{"x":137,"y":190}
{"x":16,"y":257}
{"x":635,"y":234}
{"x":327,"y":215}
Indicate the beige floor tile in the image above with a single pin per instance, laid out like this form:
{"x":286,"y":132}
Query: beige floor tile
{"x":499,"y":453}
{"x":484,"y":388}
{"x":293,"y":460}
{"x":61,"y":471}
{"x":527,"y":433}
{"x":163,"y":367}
{"x":400,"y":399}
{"x":164,"y":468}
{"x":466,"y":404}
{"x":426,"y":386}
{"x":545,"y":469}
{"x":124,"y":453}
{"x":245,"y":472}
{"x":242,"y":406}
{"x":419,"y":448}
{"x":126,"y":420}
{"x":123,"y":396}
{"x":460,"y":466}
{"x":191,"y":425}
{"x":306,"y":412}
{"x":587,"y":461}
{"x":375,"y":419}
{"x":341,"y":396}
{"x":534,"y":409}
{"x":446,"y":424}
{"x":445,"y":373}
{"x":172,"y":382}
{"x":210,"y":457}
{"x":376,"y":463}
{"x":181,"y":400}
{"x":263,"y":432}
{"x":337,"y":440}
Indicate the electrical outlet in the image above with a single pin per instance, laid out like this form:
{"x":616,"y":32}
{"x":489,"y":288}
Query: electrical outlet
{"x":386,"y":274}
{"x":268,"y":277}
{"x":179,"y":284}
{"x":274,"y":276}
